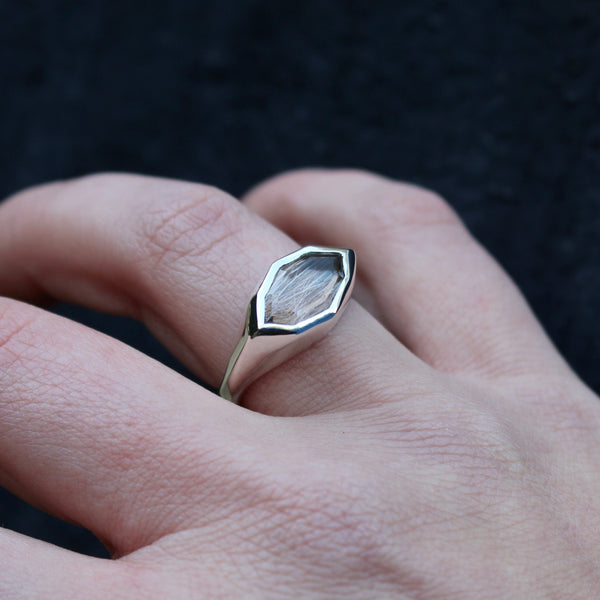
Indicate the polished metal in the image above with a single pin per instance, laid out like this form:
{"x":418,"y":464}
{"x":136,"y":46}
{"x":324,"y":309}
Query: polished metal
{"x":300,"y":299}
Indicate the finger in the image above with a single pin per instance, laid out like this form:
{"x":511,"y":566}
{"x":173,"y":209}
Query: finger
{"x":430,"y":282}
{"x":30,"y":569}
{"x":186,"y":259}
{"x":98,"y":434}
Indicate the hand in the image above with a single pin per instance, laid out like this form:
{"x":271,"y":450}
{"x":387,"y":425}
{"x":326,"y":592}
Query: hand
{"x":442,"y":449}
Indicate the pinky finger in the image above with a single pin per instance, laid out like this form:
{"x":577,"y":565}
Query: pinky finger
{"x":433,"y":285}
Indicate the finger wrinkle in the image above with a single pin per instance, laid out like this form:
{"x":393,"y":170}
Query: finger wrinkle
{"x":9,"y":335}
{"x":176,"y":228}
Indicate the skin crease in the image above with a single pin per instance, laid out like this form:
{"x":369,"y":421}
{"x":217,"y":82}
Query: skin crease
{"x":434,"y":446}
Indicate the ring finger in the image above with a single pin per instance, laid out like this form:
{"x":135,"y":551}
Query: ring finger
{"x":185,"y":259}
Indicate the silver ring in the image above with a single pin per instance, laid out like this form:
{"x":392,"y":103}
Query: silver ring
{"x":300,"y":299}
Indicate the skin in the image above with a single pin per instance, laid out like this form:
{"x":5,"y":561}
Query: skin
{"x":440,"y":448}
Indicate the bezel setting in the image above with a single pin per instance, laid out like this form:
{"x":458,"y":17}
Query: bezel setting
{"x":261,"y":327}
{"x":265,"y":345}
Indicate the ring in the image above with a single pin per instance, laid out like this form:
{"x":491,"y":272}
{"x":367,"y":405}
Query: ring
{"x":300,"y":299}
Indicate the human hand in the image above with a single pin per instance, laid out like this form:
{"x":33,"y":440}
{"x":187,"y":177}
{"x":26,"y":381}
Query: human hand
{"x":442,"y":449}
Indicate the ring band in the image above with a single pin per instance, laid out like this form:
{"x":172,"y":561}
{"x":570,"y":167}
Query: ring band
{"x":300,"y":299}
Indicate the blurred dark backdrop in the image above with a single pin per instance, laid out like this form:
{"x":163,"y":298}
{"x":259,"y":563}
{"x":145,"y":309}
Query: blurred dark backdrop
{"x":494,"y":104}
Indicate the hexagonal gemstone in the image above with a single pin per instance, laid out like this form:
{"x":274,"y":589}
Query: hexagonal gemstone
{"x":303,"y":289}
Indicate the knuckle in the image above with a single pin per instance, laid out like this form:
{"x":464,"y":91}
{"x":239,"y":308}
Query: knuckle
{"x":384,"y":205}
{"x":408,"y":208}
{"x":189,"y":223}
{"x":338,"y":512}
{"x":171,"y":220}
{"x":392,"y":204}
{"x":463,"y":441}
{"x":429,"y":208}
{"x":479,"y":452}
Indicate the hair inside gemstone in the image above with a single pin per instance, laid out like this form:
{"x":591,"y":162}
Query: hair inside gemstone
{"x":303,"y":289}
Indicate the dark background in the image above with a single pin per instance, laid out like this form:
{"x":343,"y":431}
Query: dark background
{"x":493,"y":104}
